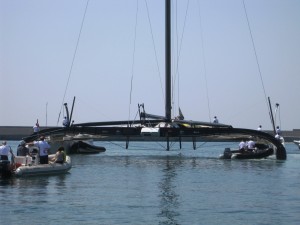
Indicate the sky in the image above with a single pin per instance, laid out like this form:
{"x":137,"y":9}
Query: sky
{"x":114,"y":59}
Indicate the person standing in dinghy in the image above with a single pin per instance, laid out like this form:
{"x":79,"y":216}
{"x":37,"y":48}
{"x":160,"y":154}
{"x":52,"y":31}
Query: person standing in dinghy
{"x":5,"y":151}
{"x":43,"y":149}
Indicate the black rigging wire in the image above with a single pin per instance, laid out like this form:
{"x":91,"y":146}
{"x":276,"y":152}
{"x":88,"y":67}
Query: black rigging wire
{"x":70,"y":72}
{"x":259,"y":70}
{"x":204,"y":62}
{"x":180,"y":46}
{"x":154,"y":47}
{"x":133,"y":57}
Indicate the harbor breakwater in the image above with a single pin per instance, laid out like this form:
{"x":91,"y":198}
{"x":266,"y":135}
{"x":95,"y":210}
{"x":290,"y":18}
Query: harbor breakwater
{"x":19,"y":132}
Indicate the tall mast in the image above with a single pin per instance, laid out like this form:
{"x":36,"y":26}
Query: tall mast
{"x":168,"y":60}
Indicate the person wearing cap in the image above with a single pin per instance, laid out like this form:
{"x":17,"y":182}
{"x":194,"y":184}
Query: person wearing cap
{"x":22,"y":150}
{"x":259,"y":128}
{"x":43,"y":149}
{"x":4,"y":151}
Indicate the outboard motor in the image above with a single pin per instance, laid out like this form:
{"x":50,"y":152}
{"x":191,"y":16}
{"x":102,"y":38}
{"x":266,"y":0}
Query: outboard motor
{"x":5,"y":169}
{"x":34,"y":156}
{"x":227,"y":153}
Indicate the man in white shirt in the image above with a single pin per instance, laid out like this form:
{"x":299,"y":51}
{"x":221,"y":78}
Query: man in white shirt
{"x":216,"y":120}
{"x":65,"y":122}
{"x":44,"y":148}
{"x":242,"y":146}
{"x":36,"y":128}
{"x":251,"y":145}
{"x":278,"y":131}
{"x":4,"y":151}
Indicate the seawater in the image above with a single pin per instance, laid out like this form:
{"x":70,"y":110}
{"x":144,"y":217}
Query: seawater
{"x":146,"y":184}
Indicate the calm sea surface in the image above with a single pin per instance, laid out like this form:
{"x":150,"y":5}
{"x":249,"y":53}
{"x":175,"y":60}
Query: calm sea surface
{"x":149,"y":185}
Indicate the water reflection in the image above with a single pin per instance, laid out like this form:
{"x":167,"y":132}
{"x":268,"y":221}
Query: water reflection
{"x":60,"y":181}
{"x":169,"y":203}
{"x":28,"y":189}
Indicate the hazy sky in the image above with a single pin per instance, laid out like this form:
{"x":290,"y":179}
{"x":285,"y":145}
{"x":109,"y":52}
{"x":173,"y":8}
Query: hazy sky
{"x":214,"y":60}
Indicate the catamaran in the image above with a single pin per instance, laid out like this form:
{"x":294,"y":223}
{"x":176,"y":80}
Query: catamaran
{"x":164,"y":127}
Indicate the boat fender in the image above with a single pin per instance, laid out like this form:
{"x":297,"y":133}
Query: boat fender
{"x":18,"y":172}
{"x":233,"y":156}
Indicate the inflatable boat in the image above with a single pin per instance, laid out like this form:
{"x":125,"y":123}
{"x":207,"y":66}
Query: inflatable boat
{"x":28,"y":166}
{"x":261,"y":151}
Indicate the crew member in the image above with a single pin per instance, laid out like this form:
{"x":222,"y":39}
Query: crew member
{"x":22,"y":150}
{"x":43,"y":149}
{"x":242,"y":145}
{"x":216,"y":120}
{"x":65,"y":122}
{"x":4,"y":151}
{"x":60,"y":156}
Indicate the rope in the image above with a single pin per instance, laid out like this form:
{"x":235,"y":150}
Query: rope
{"x":135,"y":146}
{"x":70,"y":72}
{"x":180,"y":46}
{"x":279,"y":118}
{"x":172,"y":145}
{"x":137,"y":112}
{"x":259,"y":70}
{"x":154,"y":47}
{"x":204,"y":62}
{"x":133,"y":58}
{"x":116,"y":144}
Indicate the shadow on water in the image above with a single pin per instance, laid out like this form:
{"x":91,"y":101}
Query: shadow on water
{"x":169,"y":199}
